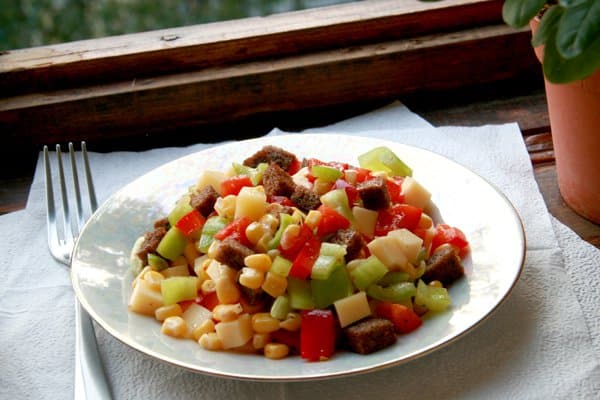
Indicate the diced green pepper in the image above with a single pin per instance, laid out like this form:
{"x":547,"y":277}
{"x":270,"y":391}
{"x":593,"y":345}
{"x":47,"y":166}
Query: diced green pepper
{"x":333,"y":249}
{"x":281,"y":266}
{"x":178,"y":288}
{"x":284,"y":221}
{"x":209,"y":230}
{"x":384,"y":159}
{"x":300,"y":294}
{"x":395,"y":293}
{"x":338,"y":200}
{"x":393,"y":277}
{"x":156,"y":262}
{"x":434,"y":298}
{"x":368,"y":272}
{"x":337,"y":286}
{"x":182,"y":208}
{"x":255,"y":174}
{"x":172,"y":244}
{"x":280,"y":307}
{"x":326,"y":173}
{"x":323,"y":267}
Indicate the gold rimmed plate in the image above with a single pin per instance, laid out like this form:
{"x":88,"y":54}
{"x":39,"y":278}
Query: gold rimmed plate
{"x":102,"y":278}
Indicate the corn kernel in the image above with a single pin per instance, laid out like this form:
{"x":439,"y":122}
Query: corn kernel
{"x":205,"y":327}
{"x":181,"y":260}
{"x":269,"y":222}
{"x":225,"y":206}
{"x":141,"y":275}
{"x":212,"y":249}
{"x":190,"y":253}
{"x":321,"y":187}
{"x":350,"y":176}
{"x":313,"y":218}
{"x":259,"y":262}
{"x":200,"y":264}
{"x":164,"y":312}
{"x":210,"y":341}
{"x":264,"y":323}
{"x":425,"y":222}
{"x":289,"y":234}
{"x":227,"y":291}
{"x":260,"y":340}
{"x":251,"y":278}
{"x":263,"y":244}
{"x":227,"y":312}
{"x":291,"y":323}
{"x":436,"y":284}
{"x":174,"y":326}
{"x":275,"y":285}
{"x":208,"y":286}
{"x":153,"y":278}
{"x":276,"y":351}
{"x":254,"y":232}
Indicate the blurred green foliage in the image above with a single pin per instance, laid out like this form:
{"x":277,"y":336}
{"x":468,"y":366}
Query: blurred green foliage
{"x":28,"y":23}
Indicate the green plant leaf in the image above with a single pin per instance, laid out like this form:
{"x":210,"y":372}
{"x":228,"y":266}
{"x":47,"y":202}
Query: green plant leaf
{"x":548,"y":26}
{"x":518,"y":13}
{"x":571,"y":3}
{"x":557,"y":69}
{"x":579,"y":27}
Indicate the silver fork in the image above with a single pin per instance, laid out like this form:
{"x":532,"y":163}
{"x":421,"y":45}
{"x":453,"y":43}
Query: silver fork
{"x":90,"y":379}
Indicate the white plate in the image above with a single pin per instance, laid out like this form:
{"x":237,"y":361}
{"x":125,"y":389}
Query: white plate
{"x":102,"y":279}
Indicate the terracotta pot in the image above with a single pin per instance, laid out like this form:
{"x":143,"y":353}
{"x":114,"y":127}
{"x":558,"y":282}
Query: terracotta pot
{"x":574,"y":111}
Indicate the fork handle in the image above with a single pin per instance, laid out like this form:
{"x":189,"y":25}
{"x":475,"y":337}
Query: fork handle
{"x":90,"y":379}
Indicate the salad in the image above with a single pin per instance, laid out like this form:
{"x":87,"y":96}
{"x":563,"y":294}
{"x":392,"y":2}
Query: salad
{"x":283,"y":256}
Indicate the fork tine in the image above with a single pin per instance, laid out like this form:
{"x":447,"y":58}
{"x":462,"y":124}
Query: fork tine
{"x":50,"y":210}
{"x":88,"y":177}
{"x":80,"y":218}
{"x":68,"y":231}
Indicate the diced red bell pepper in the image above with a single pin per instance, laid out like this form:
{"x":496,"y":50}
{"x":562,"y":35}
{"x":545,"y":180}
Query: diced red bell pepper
{"x":294,"y":167}
{"x":362,"y":174}
{"x":283,"y":200}
{"x":237,"y":230}
{"x":450,"y":235}
{"x":394,"y":187}
{"x":351,"y":191}
{"x":290,"y":251}
{"x":289,"y":338}
{"x":331,"y":221}
{"x":404,"y":319}
{"x":397,"y":217}
{"x":304,"y":261}
{"x":191,"y":222}
{"x":234,"y":184}
{"x":209,"y":301}
{"x":317,"y":334}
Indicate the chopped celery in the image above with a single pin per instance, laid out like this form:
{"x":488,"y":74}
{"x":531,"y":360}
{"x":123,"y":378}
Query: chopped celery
{"x":395,"y":293}
{"x":384,"y":159}
{"x":255,"y":174}
{"x":333,"y":249}
{"x":337,"y":286}
{"x":368,"y":272}
{"x":281,"y":266}
{"x":157,"y":262}
{"x":323,"y":267}
{"x":172,"y":244}
{"x":326,"y":173}
{"x":210,"y":228}
{"x":434,"y":298}
{"x":284,"y":221}
{"x":393,"y":277}
{"x":178,"y":288}
{"x":300,"y":294}
{"x":182,"y":208}
{"x":281,"y":307}
{"x":338,"y":200}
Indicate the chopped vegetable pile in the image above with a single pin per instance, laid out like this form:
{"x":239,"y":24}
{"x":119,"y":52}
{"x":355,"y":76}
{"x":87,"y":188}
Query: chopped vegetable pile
{"x":280,"y":256}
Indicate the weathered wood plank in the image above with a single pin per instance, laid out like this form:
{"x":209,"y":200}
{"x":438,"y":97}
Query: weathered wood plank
{"x":147,"y":54}
{"x":213,"y":95}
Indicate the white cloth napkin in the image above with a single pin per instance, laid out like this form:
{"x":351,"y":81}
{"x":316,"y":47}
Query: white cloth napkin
{"x":542,"y":343}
